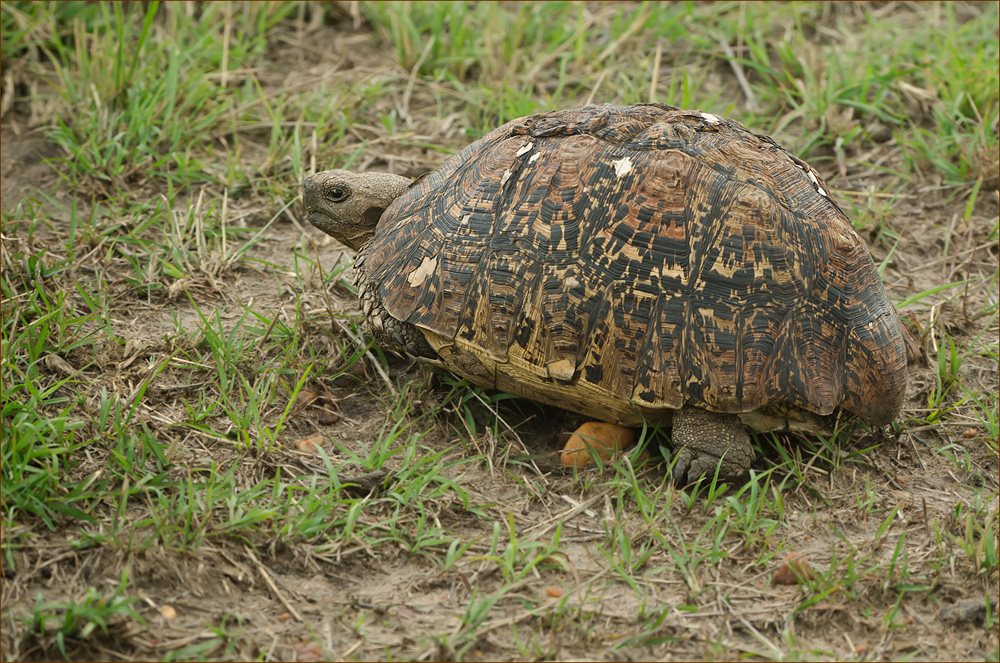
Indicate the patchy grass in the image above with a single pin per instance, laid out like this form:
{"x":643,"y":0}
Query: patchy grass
{"x":203,"y":457}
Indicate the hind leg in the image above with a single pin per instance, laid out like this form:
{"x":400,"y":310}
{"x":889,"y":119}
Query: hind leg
{"x":705,"y":440}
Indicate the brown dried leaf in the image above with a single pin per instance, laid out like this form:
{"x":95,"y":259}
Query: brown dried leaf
{"x":305,"y":397}
{"x":794,"y":570}
{"x":307,"y":651}
{"x":59,"y":365}
{"x":309,"y":445}
{"x":406,"y":612}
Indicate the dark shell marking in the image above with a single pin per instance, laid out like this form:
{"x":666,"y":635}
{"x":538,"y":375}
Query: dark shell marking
{"x":625,"y":261}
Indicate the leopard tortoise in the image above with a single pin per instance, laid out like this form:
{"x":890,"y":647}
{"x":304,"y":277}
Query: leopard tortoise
{"x":629,"y":263}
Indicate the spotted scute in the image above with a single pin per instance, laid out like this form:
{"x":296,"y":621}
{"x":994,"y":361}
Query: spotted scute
{"x":623,"y":262}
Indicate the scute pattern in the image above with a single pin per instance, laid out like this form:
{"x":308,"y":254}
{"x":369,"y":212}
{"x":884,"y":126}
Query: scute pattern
{"x":626,"y":261}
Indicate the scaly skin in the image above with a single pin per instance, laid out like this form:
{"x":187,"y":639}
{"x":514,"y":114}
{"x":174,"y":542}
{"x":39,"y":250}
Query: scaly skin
{"x":347,"y":206}
{"x":705,"y":440}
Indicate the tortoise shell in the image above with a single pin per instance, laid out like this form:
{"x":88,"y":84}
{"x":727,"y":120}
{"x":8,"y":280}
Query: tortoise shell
{"x":623,"y":262}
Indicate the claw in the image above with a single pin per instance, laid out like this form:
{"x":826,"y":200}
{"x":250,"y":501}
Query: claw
{"x":681,"y":466}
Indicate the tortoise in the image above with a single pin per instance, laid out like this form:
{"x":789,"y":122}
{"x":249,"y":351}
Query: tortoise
{"x":629,"y":263}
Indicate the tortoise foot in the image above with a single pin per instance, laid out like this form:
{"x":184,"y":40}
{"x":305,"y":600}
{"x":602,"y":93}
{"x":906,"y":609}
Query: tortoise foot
{"x":708,"y":440}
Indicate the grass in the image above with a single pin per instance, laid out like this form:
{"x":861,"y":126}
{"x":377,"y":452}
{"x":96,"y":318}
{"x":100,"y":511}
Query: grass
{"x":193,"y":418}
{"x":78,"y":619}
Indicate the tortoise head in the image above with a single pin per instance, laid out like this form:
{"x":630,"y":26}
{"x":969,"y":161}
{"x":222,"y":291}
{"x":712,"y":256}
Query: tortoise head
{"x":348,"y":206}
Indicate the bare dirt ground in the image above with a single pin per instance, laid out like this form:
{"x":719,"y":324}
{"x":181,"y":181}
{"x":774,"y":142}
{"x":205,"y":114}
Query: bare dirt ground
{"x":869,"y":523}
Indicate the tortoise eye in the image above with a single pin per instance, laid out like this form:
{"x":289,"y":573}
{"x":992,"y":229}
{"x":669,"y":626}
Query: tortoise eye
{"x":337,"y":194}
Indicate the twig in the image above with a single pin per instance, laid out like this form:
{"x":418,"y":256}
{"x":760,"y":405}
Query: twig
{"x":404,"y":106}
{"x":597,"y":85}
{"x":637,"y":24}
{"x":917,"y":453}
{"x":960,"y":253}
{"x":295,"y":222}
{"x":510,"y":621}
{"x":226,"y":31}
{"x":270,"y":583}
{"x":351,"y":650}
{"x":737,"y":68}
{"x":572,"y":502}
{"x":543,"y":527}
{"x":545,"y":61}
{"x":510,"y":428}
{"x":656,"y":72}
{"x":368,"y":353}
{"x":872,"y":194}
{"x":381,"y":372}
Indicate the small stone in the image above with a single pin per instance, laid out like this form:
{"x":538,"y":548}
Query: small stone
{"x":327,"y":417}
